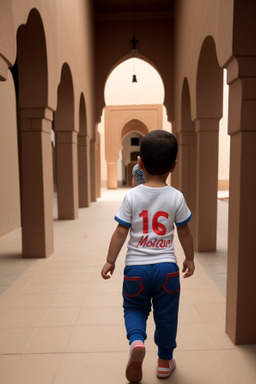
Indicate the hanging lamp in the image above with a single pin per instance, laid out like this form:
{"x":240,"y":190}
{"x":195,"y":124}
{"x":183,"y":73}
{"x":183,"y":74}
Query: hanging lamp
{"x":134,"y":42}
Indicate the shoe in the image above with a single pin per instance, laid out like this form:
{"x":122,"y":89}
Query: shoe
{"x":134,"y":366}
{"x":163,"y":371}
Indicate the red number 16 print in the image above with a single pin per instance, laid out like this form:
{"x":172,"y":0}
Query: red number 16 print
{"x":158,"y":228}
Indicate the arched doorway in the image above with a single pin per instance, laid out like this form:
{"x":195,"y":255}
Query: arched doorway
{"x":127,"y":101}
{"x":131,"y":135}
{"x":116,"y":119}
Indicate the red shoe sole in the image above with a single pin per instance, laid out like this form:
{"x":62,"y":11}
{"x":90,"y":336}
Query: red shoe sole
{"x":134,"y":366}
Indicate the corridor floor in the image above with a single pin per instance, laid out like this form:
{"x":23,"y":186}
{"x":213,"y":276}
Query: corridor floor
{"x":61,"y":323}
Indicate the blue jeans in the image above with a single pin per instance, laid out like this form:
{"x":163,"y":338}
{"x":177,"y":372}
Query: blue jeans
{"x":157,"y":285}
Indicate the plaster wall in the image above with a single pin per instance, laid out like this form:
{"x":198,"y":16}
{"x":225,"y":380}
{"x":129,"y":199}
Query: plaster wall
{"x":9,"y":172}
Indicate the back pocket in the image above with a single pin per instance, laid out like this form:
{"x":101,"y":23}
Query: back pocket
{"x":172,"y":283}
{"x":132,"y":286}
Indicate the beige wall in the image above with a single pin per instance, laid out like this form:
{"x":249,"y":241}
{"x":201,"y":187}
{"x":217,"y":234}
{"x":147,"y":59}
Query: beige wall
{"x":9,"y":173}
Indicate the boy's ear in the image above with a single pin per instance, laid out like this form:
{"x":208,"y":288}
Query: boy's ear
{"x":139,"y":162}
{"x":173,"y":167}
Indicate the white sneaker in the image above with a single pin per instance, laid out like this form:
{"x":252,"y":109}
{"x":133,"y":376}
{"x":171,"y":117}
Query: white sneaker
{"x":134,"y":366}
{"x":163,"y":371}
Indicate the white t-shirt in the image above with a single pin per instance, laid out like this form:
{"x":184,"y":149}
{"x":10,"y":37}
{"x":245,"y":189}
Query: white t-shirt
{"x":151,"y":214}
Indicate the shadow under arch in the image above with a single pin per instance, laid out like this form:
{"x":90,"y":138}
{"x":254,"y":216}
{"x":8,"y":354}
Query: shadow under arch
{"x":32,"y":62}
{"x":209,"y":82}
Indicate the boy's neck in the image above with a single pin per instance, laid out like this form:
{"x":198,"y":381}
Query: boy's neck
{"x":155,"y":181}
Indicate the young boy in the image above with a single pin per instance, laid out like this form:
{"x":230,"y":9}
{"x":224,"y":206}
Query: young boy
{"x":137,"y":176}
{"x":151,"y":274}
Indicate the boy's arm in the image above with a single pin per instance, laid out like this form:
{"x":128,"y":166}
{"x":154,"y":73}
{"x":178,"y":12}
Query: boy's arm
{"x":186,"y":241}
{"x":116,"y":243}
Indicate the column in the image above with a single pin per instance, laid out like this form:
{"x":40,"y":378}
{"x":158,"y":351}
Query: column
{"x":36,"y":182}
{"x":67,"y":174}
{"x":241,"y":282}
{"x":206,"y":184}
{"x":84,"y":171}
{"x":187,"y":173}
{"x":93,"y":168}
{"x":112,"y":175}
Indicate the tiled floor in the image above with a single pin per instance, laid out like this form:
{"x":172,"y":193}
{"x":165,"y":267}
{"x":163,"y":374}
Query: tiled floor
{"x":61,"y":323}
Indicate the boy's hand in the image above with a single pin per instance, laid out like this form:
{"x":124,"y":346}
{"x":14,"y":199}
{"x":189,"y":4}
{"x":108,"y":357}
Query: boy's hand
{"x":108,"y":268}
{"x":188,"y":268}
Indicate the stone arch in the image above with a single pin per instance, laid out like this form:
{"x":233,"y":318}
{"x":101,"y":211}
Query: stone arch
{"x":30,"y":73}
{"x":137,"y":127}
{"x":82,"y":116}
{"x":83,"y":156}
{"x":209,"y":82}
{"x":117,"y":120}
{"x":64,"y":115}
{"x":209,"y":94}
{"x":66,"y":148}
{"x":134,"y":125}
{"x":139,"y":57}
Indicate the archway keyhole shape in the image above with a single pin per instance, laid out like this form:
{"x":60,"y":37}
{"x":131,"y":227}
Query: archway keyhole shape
{"x":66,"y":148}
{"x":120,"y":90}
{"x":83,"y":152}
{"x":148,"y":92}
{"x":32,"y":62}
{"x":131,"y":135}
{"x":209,"y":82}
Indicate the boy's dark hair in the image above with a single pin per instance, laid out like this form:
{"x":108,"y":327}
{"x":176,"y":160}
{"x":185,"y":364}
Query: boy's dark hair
{"x":158,"y":151}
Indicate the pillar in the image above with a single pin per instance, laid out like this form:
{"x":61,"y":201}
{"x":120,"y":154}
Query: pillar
{"x":98,"y":168}
{"x":187,"y":173}
{"x":112,"y":175}
{"x":36,"y":182}
{"x":241,"y":282}
{"x":84,"y":171}
{"x":67,"y":174}
{"x":93,"y":168}
{"x":206,"y":184}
